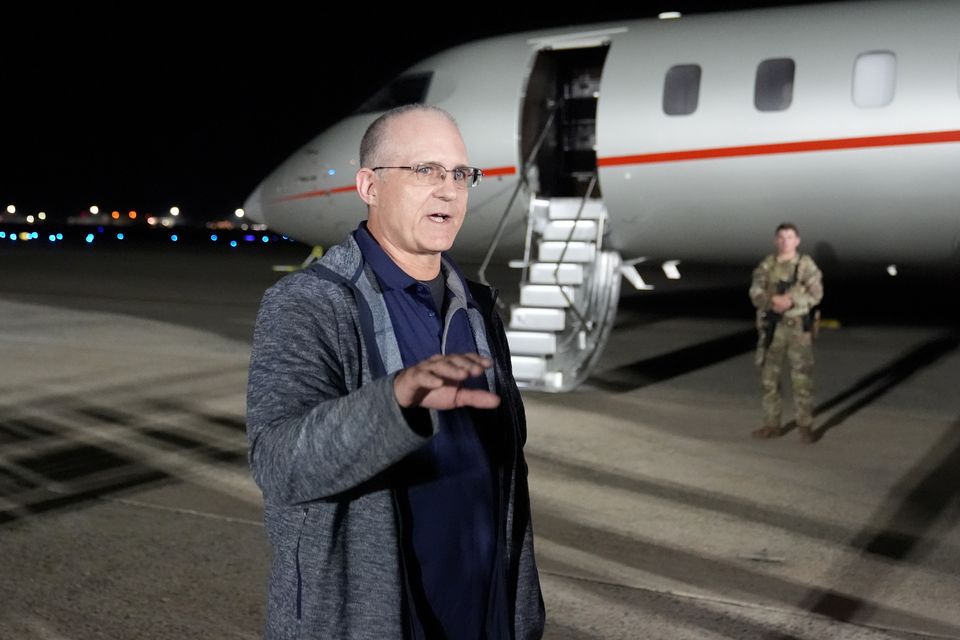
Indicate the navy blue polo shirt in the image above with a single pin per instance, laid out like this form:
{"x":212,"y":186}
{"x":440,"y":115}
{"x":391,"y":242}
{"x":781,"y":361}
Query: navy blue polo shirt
{"x":447,"y":503}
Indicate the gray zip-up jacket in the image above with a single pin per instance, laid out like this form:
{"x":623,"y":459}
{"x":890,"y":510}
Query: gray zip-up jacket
{"x":325,"y":431}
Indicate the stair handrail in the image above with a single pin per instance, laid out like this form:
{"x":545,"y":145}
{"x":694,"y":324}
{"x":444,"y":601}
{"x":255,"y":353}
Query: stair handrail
{"x":482,"y":271}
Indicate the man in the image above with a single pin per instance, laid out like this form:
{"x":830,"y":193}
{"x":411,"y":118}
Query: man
{"x":785,"y":288}
{"x":385,"y":427}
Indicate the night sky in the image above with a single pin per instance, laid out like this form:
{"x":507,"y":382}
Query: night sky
{"x":169,"y":109}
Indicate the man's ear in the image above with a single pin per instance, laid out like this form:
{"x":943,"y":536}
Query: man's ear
{"x":367,"y":186}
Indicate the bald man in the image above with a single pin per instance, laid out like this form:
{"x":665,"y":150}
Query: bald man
{"x":385,"y":426}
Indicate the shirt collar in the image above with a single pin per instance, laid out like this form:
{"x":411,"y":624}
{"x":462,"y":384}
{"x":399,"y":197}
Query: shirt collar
{"x":390,"y":275}
{"x":393,"y":277}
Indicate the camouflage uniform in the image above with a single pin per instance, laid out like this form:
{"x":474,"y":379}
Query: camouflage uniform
{"x":790,"y":341}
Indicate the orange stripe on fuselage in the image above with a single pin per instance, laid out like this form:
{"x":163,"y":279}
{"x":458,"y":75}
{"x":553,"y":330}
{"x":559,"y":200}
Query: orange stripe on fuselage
{"x":835,"y":144}
{"x":805,"y":146}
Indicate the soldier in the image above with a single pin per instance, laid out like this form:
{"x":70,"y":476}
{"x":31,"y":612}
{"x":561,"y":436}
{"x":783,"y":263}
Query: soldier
{"x":785,"y":289}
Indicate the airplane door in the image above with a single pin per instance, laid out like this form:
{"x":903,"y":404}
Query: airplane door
{"x":558,"y":127}
{"x":570,"y":281}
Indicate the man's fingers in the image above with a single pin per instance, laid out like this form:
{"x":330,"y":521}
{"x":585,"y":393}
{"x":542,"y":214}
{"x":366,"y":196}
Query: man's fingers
{"x":476,"y":398}
{"x":457,"y":366}
{"x":413,"y":384}
{"x":450,"y":369}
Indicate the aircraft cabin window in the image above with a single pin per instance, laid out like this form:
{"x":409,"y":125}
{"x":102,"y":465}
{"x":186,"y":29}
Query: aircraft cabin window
{"x":403,"y":90}
{"x":874,"y":79}
{"x":774,"y":88}
{"x":681,"y":89}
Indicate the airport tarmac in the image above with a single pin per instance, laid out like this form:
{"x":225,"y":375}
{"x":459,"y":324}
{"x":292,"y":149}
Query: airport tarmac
{"x":126,"y":508}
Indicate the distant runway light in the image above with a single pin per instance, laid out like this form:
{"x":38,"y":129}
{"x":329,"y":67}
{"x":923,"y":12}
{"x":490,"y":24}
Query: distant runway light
{"x":265,"y":238}
{"x":34,"y":235}
{"x":52,"y":238}
{"x":892,"y":269}
{"x":89,"y":238}
{"x":29,"y":219}
{"x":59,"y":236}
{"x":3,"y":234}
{"x":213,"y":238}
{"x":249,"y":238}
{"x":174,"y":211}
{"x":42,"y":215}
{"x":94,"y":209}
{"x":152,"y":221}
{"x":11,"y":208}
{"x":174,"y":238}
{"x":115,"y":215}
{"x":133,"y":215}
{"x":238,"y":213}
{"x":233,"y":243}
{"x":119,"y":236}
{"x":99,"y":229}
{"x":669,"y":15}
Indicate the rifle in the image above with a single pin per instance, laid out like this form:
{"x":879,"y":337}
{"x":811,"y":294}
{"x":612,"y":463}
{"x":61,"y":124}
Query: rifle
{"x":770,"y":319}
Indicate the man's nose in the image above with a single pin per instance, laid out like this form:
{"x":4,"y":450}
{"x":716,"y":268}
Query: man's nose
{"x":447,"y":189}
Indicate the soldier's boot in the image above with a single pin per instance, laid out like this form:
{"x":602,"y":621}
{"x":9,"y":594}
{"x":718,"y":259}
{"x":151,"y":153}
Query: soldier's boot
{"x":806,"y":435}
{"x":766,"y":432}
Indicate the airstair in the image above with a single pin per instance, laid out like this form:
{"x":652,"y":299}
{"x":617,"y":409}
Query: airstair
{"x":569,"y":292}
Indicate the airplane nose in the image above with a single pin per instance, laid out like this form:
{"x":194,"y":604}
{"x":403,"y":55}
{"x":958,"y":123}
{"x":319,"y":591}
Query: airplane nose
{"x":253,"y":208}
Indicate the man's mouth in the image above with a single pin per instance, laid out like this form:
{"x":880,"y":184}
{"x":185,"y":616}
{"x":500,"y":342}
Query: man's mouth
{"x":439,"y":217}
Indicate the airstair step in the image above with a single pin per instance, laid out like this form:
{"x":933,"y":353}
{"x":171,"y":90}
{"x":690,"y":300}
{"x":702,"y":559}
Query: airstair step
{"x":553,"y":273}
{"x":537,"y":319}
{"x":570,"y":230}
{"x":576,"y":251}
{"x":532,"y":343}
{"x":567,"y":208}
{"x":528,"y":367}
{"x":546,"y":295}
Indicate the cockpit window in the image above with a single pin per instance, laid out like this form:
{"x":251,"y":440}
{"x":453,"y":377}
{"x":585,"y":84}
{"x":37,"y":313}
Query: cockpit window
{"x":403,"y":90}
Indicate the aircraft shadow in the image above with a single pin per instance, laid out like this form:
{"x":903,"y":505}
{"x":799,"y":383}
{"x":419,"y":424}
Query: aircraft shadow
{"x":877,"y":384}
{"x":717,"y":575}
{"x":45,"y":467}
{"x":899,"y":529}
{"x":670,"y":365}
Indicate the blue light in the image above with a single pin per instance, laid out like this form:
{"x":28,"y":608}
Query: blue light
{"x":119,"y":236}
{"x":233,"y":243}
{"x":13,"y":237}
{"x":174,"y":238}
{"x":59,"y":236}
{"x":331,"y":172}
{"x":3,"y":234}
{"x":213,"y":238}
{"x":89,"y":238}
{"x":265,"y":238}
{"x":34,"y":235}
{"x":52,"y":238}
{"x":249,"y":238}
{"x":99,"y":229}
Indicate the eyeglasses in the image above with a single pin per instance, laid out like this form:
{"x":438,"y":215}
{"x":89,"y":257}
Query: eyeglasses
{"x":434,"y":174}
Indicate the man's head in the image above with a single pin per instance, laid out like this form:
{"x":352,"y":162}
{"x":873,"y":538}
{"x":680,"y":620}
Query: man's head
{"x":413,"y":217}
{"x":787,"y":239}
